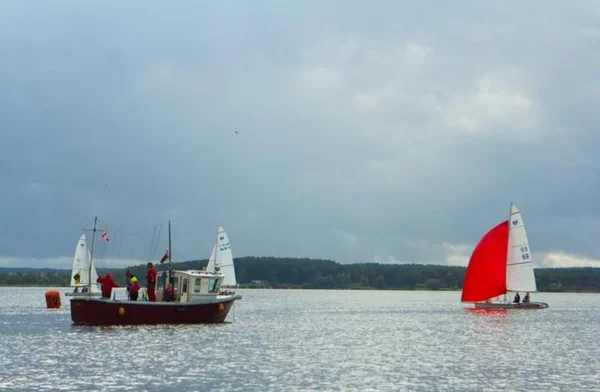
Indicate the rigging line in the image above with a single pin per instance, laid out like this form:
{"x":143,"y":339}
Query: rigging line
{"x":128,"y":236}
{"x":101,"y":251}
{"x":152,"y":244}
{"x":143,"y":230}
{"x":117,"y":247}
{"x":135,"y":232}
{"x":120,"y":245}
{"x":109,"y":253}
{"x":131,"y":250}
{"x":157,"y":242}
{"x":86,"y":225}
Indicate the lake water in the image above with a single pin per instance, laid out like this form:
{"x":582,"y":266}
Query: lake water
{"x":304,"y":340}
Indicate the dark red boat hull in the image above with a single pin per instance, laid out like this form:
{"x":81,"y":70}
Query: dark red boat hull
{"x":92,"y":311}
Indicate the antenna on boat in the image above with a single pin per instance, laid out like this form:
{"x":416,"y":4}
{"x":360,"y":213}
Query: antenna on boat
{"x":170,"y":260}
{"x":217,"y":268}
{"x":92,"y":256}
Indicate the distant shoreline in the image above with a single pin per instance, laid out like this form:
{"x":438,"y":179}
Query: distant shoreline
{"x":313,"y":289}
{"x":296,"y":273}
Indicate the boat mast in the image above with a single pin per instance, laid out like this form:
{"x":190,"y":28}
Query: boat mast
{"x":217,"y":268}
{"x":170,"y":260}
{"x":508,"y":249}
{"x":92,"y":256}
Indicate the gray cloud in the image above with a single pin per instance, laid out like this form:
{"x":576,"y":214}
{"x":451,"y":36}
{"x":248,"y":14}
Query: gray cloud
{"x":386,"y":132}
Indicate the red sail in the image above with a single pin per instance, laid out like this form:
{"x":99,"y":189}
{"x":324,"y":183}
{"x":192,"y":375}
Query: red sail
{"x":486,"y":274}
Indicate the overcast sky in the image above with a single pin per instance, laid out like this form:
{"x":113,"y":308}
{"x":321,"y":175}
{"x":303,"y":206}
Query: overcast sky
{"x":367,"y":131}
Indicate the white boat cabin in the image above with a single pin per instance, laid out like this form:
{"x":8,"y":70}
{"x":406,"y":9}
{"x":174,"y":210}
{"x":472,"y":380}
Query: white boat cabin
{"x":189,"y":286}
{"x":192,"y":285}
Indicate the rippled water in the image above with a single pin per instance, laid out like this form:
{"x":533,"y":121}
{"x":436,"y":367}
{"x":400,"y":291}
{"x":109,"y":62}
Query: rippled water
{"x":310,"y":340}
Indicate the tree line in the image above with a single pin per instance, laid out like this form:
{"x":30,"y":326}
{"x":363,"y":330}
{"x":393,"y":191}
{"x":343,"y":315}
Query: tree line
{"x":327,"y":274}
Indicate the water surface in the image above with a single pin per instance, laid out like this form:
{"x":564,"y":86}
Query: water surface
{"x":303,"y":340}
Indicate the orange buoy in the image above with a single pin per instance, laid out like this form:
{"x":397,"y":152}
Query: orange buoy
{"x":52,"y":299}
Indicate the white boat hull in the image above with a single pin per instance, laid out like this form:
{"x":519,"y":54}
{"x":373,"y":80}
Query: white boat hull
{"x":508,"y":305}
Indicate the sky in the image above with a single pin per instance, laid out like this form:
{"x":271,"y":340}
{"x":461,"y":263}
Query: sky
{"x":389,"y":131}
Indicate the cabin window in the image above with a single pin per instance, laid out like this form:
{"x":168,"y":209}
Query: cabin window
{"x":162,"y":281}
{"x":197,"y":285}
{"x":175,"y":283}
{"x":212,"y":285}
{"x":184,"y":286}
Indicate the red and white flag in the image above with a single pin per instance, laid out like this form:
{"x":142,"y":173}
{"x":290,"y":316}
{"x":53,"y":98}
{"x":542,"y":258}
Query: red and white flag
{"x":105,"y":236}
{"x":165,"y":257}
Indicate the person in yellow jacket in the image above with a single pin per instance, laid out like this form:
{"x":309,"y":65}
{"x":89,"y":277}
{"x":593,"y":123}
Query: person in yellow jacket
{"x":134,"y":288}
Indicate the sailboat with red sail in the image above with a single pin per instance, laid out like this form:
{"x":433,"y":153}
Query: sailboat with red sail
{"x":501,"y":263}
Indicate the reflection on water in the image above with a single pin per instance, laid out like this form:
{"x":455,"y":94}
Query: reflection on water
{"x":310,"y":340}
{"x":486,"y":311}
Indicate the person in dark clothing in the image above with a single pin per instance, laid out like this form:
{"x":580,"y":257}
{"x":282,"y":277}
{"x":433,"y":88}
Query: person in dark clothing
{"x":526,"y":299}
{"x":169,"y":294}
{"x":128,"y":276}
{"x":517,"y":298}
{"x":106,"y":284}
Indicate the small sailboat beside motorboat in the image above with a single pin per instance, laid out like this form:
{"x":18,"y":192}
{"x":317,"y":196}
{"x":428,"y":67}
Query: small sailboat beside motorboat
{"x":221,"y":261}
{"x":501,"y":263}
{"x":83,"y":271}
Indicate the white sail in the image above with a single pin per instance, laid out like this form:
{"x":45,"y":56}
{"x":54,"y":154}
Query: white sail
{"x":519,"y":266}
{"x":224,"y":258}
{"x":95,"y":286}
{"x":210,"y":266}
{"x":80,"y":273}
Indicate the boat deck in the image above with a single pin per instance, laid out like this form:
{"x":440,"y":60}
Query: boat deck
{"x":508,"y":305}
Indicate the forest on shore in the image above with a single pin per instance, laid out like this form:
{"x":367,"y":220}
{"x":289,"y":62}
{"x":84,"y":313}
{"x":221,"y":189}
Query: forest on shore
{"x":306,"y":273}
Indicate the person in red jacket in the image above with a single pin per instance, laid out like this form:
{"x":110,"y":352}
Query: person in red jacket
{"x":151,"y":283}
{"x":106,"y":284}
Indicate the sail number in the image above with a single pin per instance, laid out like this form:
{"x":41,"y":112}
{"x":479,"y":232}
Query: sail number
{"x":524,"y":254}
